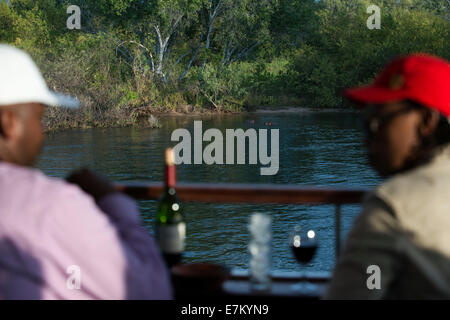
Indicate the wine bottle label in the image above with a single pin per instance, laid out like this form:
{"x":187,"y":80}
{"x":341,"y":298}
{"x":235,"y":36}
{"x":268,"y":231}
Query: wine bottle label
{"x":171,"y":237}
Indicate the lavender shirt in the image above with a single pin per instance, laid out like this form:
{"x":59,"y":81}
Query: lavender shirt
{"x":50,"y":228}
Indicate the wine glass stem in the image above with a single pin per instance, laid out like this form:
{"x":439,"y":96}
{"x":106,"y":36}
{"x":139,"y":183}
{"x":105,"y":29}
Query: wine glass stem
{"x":302,"y":286}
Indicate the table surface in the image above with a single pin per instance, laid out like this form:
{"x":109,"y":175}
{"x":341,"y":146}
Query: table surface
{"x":238,"y":285}
{"x":281,"y":285}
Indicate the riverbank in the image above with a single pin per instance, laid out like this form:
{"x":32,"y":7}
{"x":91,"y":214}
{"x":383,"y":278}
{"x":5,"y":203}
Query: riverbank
{"x":281,"y":53}
{"x":60,"y":119}
{"x":300,"y":110}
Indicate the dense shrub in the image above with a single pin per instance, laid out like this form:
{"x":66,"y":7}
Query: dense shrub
{"x":346,"y":53}
{"x":302,"y":52}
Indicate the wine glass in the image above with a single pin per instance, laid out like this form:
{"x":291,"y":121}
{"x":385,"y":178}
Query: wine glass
{"x":303,"y":243}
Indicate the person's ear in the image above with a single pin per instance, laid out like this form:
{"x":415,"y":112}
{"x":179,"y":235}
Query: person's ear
{"x":8,"y":124}
{"x":429,"y":123}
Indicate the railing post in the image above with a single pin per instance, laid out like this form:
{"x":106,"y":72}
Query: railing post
{"x":337,"y":228}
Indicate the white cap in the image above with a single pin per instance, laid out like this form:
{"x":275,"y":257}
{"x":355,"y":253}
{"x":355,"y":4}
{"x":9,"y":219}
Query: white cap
{"x":22,"y":82}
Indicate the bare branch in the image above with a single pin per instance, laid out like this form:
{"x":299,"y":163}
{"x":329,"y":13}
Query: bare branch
{"x":245,"y":51}
{"x":178,"y":61}
{"x":210,"y":99}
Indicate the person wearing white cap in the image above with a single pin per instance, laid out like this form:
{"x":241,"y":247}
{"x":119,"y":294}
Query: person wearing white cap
{"x":74,"y":239}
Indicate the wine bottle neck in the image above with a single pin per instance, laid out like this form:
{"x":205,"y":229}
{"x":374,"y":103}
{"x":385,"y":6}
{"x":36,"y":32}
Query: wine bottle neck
{"x":171,"y":179}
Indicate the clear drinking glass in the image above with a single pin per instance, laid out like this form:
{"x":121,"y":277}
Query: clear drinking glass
{"x":260,"y":228}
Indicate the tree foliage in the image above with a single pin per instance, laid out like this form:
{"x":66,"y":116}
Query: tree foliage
{"x":158,"y":54}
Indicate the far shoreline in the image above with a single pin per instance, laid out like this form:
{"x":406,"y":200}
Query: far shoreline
{"x":151,"y":119}
{"x":260,"y":110}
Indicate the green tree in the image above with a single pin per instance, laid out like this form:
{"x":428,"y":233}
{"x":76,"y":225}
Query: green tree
{"x":345,"y":53}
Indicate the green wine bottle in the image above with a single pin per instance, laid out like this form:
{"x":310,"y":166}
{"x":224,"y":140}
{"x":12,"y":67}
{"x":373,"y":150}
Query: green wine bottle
{"x":170,"y":226}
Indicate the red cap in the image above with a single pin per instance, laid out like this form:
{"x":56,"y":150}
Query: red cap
{"x":419,"y":77}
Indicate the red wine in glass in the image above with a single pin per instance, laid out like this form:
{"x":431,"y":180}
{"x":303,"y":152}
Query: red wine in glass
{"x":304,"y":245}
{"x":304,"y":253}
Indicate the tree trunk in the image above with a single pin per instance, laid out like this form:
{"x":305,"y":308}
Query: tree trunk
{"x":162,"y":46}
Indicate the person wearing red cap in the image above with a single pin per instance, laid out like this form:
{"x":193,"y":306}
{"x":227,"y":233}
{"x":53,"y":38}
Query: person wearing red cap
{"x":399,"y":246}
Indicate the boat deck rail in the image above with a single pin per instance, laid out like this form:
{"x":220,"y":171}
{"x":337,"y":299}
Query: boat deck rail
{"x":254,"y":193}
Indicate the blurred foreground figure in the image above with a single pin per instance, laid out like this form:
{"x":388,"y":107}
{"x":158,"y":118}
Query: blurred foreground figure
{"x":60,"y":240}
{"x":399,"y":246}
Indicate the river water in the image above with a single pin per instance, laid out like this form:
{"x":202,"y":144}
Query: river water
{"x":316,"y":149}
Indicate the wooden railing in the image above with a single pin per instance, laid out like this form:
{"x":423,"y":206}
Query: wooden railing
{"x":253,"y":193}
